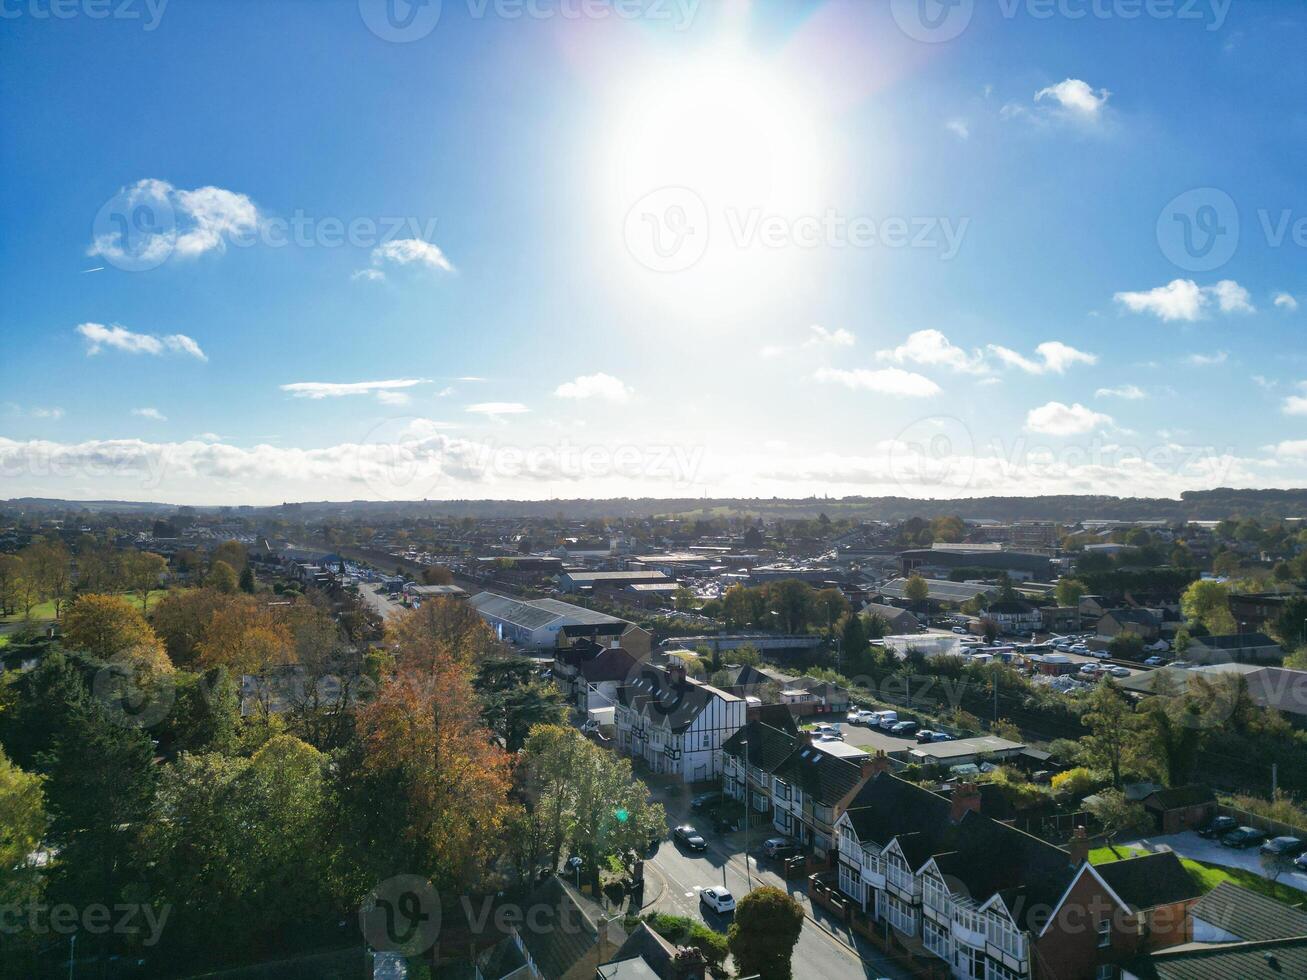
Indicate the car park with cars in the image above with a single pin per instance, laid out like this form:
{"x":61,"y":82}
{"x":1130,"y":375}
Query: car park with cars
{"x":1284,"y":846}
{"x":1242,"y":837}
{"x":1217,"y":826}
{"x":705,"y":800}
{"x":904,"y":729}
{"x":861,"y":716}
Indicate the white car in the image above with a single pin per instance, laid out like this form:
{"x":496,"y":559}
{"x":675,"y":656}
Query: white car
{"x":828,"y":730}
{"x":718,"y":899}
{"x":1118,"y":671}
{"x":862,"y":717}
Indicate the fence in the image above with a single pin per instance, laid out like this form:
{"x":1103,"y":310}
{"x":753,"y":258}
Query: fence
{"x":1275,"y":828}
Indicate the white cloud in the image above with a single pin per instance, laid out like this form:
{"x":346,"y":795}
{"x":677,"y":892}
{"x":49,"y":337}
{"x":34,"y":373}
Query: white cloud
{"x":495,"y":409}
{"x":821,"y":337}
{"x":53,"y":413}
{"x":1052,"y":356}
{"x":407,"y":251}
{"x":601,"y":386}
{"x":1290,"y":447}
{"x":1296,"y":404}
{"x":1285,"y":301}
{"x":98,"y":337}
{"x":932,"y":348}
{"x":389,"y":392}
{"x":150,"y":413}
{"x":1208,"y":360}
{"x":1184,"y":299}
{"x":959,"y":128}
{"x":1057,"y":419}
{"x":1076,"y":97}
{"x":370,"y":275}
{"x":886,"y":381}
{"x":1128,"y":392}
{"x":188,"y":222}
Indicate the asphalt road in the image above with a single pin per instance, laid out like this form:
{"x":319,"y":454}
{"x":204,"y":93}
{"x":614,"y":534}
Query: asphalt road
{"x":826,"y":948}
{"x":378,"y":601}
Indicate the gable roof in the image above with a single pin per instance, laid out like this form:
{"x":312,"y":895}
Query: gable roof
{"x":643,"y":946}
{"x":1150,"y":880}
{"x":1179,"y":796}
{"x":1248,"y":915}
{"x":769,"y":744}
{"x":564,"y":927}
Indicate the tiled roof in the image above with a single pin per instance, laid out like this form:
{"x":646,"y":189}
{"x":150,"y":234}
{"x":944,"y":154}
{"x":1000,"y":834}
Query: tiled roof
{"x":1150,"y":880}
{"x":1248,"y":915}
{"x":769,"y":744}
{"x":824,"y":777}
{"x":564,"y":929}
{"x":1279,"y":959}
{"x":1179,"y":796}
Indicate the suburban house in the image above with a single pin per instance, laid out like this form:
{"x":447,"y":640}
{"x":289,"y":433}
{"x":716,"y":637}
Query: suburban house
{"x":1137,"y":622}
{"x":1014,"y":616}
{"x":1233,"y":934}
{"x":590,"y":675}
{"x":565,"y":936}
{"x":676,"y":724}
{"x":969,"y":897}
{"x":648,"y":956}
{"x":899,"y":620}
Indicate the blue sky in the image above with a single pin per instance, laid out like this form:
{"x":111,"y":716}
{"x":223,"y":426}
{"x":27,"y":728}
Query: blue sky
{"x":579,"y":248}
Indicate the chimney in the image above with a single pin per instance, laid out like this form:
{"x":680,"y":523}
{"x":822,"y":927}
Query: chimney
{"x":1079,"y":847}
{"x":874,"y":765}
{"x":966,"y":796}
{"x":805,"y":738}
{"x":676,"y":670}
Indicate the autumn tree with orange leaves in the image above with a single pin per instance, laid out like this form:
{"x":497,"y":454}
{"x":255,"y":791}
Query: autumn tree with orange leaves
{"x":423,"y":732}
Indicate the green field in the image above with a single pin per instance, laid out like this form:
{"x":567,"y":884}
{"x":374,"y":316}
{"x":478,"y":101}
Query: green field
{"x":43,"y":612}
{"x":1209,"y":876}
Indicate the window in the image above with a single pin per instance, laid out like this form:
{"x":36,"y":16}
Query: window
{"x":935,"y":894}
{"x":1104,"y":933}
{"x":707,"y":741}
{"x":936,"y":938}
{"x":901,"y":916}
{"x":1105,"y":972}
{"x":997,"y":971}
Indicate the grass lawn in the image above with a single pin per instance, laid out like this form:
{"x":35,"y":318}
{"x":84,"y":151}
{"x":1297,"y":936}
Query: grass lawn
{"x":43,"y":612}
{"x":1209,"y":876}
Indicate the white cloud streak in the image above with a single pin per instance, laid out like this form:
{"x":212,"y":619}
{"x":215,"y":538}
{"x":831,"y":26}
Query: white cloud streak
{"x":98,"y":337}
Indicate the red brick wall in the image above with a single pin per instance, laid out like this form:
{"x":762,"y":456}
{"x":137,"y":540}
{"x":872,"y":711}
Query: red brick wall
{"x":1069,"y":949}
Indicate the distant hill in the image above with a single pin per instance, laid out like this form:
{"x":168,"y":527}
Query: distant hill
{"x":1192,"y":505}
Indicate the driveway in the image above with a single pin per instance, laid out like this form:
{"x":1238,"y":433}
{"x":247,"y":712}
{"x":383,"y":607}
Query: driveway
{"x":1190,"y":845}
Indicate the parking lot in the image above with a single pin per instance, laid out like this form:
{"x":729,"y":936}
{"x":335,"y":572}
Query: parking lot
{"x":1190,"y":845}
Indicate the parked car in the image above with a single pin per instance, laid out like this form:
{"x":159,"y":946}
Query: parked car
{"x":1119,"y":671}
{"x":861,"y":716}
{"x":691,"y":838}
{"x":704,"y":800}
{"x":925,"y":735}
{"x":904,"y":729}
{"x":773,"y":844}
{"x":825,"y":729}
{"x":1155,"y":662}
{"x":1300,"y":862}
{"x":1284,"y":846}
{"x":962,"y":630}
{"x":888,"y":719}
{"x":1091,"y":670}
{"x":1243,"y":837}
{"x":718,"y":899}
{"x":944,"y":737}
{"x":1079,"y":648}
{"x":1217,"y":826}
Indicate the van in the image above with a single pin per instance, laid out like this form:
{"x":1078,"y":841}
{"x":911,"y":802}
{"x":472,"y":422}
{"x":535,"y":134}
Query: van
{"x":886,"y":719}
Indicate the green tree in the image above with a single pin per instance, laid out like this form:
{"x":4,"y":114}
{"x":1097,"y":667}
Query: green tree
{"x":247,"y":580}
{"x":917,"y":589}
{"x":1207,"y":603}
{"x":1117,"y":816}
{"x":765,"y":931}
{"x":829,"y":605}
{"x":1113,"y":731}
{"x":514,"y":699}
{"x":23,"y":817}
{"x":791,"y":602}
{"x":853,"y":639}
{"x":222,"y":578}
{"x":142,"y":572}
{"x":232,"y":553}
{"x":1069,"y":591}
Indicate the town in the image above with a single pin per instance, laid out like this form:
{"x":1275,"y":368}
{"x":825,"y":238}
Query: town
{"x":953,"y":746}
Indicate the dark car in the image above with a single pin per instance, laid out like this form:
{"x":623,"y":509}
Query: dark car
{"x":704,"y":800}
{"x":691,"y":838}
{"x":904,"y":729}
{"x":925,"y":735}
{"x":1284,"y":846}
{"x":1243,"y":837}
{"x":1217,"y":826}
{"x":1300,"y":862}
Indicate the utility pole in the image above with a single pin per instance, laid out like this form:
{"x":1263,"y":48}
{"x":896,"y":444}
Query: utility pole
{"x":994,"y":683}
{"x":1275,"y":779}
